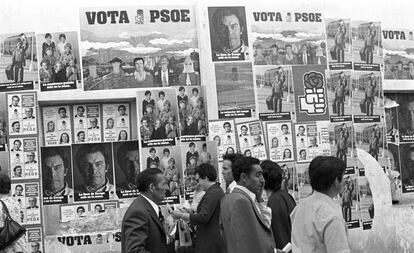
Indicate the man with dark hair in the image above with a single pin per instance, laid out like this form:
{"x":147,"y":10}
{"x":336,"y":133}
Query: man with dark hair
{"x":342,"y":143}
{"x":142,"y":226}
{"x":140,"y":75}
{"x":18,"y":191}
{"x":80,"y":211}
{"x":62,"y":113}
{"x":374,"y":140}
{"x":165,"y":76}
{"x":340,"y":89}
{"x":122,"y":110}
{"x":148,"y":100}
{"x":80,"y":112}
{"x":317,"y":222}
{"x":191,"y":153}
{"x":277,"y":89}
{"x":19,"y":57}
{"x":17,"y":144}
{"x":128,"y":160}
{"x":340,"y":41}
{"x":48,"y":43}
{"x":228,"y":160}
{"x":16,"y":127}
{"x":400,"y":73}
{"x":55,"y":170}
{"x":15,"y":101}
{"x":93,"y":163}
{"x":274,"y":58}
{"x":369,"y":43}
{"x":370,"y":94}
{"x":280,"y":201}
{"x":245,"y":229}
{"x":227,"y":127}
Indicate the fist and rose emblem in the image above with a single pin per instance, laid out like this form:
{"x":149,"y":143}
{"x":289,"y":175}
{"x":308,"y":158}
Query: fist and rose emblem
{"x":314,"y":101}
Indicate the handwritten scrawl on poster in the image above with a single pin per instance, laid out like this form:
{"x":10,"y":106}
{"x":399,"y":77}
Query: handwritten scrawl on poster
{"x":310,"y":93}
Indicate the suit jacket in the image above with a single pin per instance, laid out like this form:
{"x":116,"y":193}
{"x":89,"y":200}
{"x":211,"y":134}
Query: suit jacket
{"x":194,"y":78}
{"x":242,"y":225}
{"x":142,"y":230}
{"x":208,"y":237}
{"x":172,"y":78}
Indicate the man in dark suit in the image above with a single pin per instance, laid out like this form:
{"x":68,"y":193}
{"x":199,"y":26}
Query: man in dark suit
{"x":165,"y":76}
{"x":243,"y":224}
{"x":142,"y":225}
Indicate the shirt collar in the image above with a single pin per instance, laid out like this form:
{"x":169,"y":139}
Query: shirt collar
{"x":248,"y":192}
{"x":323,"y":197}
{"x":103,"y":188}
{"x":239,"y":49}
{"x":62,"y":192}
{"x":152,"y":203}
{"x":232,"y":185}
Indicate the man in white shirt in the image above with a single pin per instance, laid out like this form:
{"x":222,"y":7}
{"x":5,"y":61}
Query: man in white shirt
{"x":317,"y":222}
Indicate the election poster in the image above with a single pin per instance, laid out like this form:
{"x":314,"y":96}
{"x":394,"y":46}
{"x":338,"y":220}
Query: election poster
{"x":116,"y":120}
{"x":303,"y":182}
{"x":138,"y":47}
{"x":235,"y":90}
{"x":57,"y":175}
{"x":22,"y":113}
{"x":222,"y":132}
{"x":24,"y":158}
{"x":34,"y":238}
{"x":127,"y":167}
{"x":311,"y":140}
{"x":399,"y":117}
{"x":5,"y":165}
{"x":92,"y":127}
{"x":4,"y":132}
{"x":367,"y":97}
{"x":280,"y":141}
{"x":287,"y":37}
{"x":406,"y":161}
{"x":18,"y":67}
{"x":365,"y":200}
{"x":367,"y":45}
{"x":251,"y":139}
{"x":274,"y":85}
{"x":398,"y":58}
{"x":289,"y":182}
{"x":339,"y":43}
{"x":59,"y":61}
{"x":391,"y":117}
{"x":310,"y":91}
{"x":27,"y":195}
{"x":56,"y":125}
{"x":342,"y":141}
{"x":159,"y":122}
{"x":372,"y":139}
{"x":339,"y":86}
{"x":93,"y":174}
{"x":228,"y":33}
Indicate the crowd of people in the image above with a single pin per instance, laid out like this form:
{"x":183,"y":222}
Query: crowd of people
{"x":254,"y":214}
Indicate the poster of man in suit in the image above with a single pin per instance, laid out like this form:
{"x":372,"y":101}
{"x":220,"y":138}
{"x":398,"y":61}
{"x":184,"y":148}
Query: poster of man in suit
{"x":339,"y":43}
{"x":339,"y":95}
{"x":367,"y":45}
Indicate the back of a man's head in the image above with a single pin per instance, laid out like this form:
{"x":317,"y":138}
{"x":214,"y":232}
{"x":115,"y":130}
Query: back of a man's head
{"x":146,"y":178}
{"x":232,"y":157}
{"x":243,"y":165}
{"x":273,"y":175}
{"x":324,"y":170}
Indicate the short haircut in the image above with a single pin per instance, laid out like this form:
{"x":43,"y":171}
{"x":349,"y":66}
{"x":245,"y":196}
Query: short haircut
{"x":243,"y":165}
{"x":55,"y":151}
{"x":288,"y":45}
{"x":80,"y":107}
{"x":5,"y":184}
{"x":181,"y":88}
{"x":62,"y":36}
{"x":146,"y":178}
{"x":398,"y":62}
{"x":62,"y":109}
{"x":273,"y":175}
{"x":147,"y":92}
{"x":48,"y":35}
{"x":274,"y":46}
{"x":166,"y":150}
{"x":323,"y":170}
{"x":194,"y":89}
{"x":161,"y":93}
{"x":17,"y":141}
{"x":226,"y":123}
{"x":19,"y":185}
{"x":152,"y":150}
{"x":192,"y":144}
{"x":89,"y":149}
{"x":222,"y":12}
{"x":121,"y":106}
{"x":18,"y":166}
{"x":80,"y":208}
{"x":15,"y":96}
{"x":139,"y":59}
{"x":79,"y":133}
{"x":14,"y":123}
{"x":208,"y":171}
{"x":243,"y":126}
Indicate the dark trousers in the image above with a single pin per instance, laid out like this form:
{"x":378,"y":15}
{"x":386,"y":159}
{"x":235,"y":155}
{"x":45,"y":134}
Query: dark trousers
{"x":341,"y":154}
{"x":340,"y":106}
{"x":369,"y":106}
{"x":340,"y":54}
{"x":369,"y":55}
{"x":277,"y":103}
{"x":374,"y":153}
{"x":18,"y":71}
{"x":346,"y":211}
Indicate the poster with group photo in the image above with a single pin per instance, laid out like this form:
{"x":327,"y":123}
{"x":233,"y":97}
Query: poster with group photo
{"x":367,"y":97}
{"x":159,"y":121}
{"x":127,"y":167}
{"x":339,"y":43}
{"x":57,"y":175}
{"x":339,"y":86}
{"x":139,"y":47}
{"x":366,"y":45}
{"x":235,"y":90}
{"x":18,"y":67}
{"x":169,"y":160}
{"x":24,"y":158}
{"x":59,"y":61}
{"x":366,"y":203}
{"x":342,"y":141}
{"x":228,"y":33}
{"x":398,"y":59}
{"x":56,"y":125}
{"x":192,"y":111}
{"x":224,"y":134}
{"x":93,"y":174}
{"x":275,"y":92}
{"x":22,"y":113}
{"x":27,"y":195}
{"x":287,"y":37}
{"x":251,"y":139}
{"x":116,"y":120}
{"x":312,"y":140}
{"x":87,"y":123}
{"x":280,"y":141}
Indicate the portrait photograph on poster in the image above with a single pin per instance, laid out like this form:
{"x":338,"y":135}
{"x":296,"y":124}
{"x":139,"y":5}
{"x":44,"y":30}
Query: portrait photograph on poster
{"x":27,"y":195}
{"x":275,"y":92}
{"x":24,"y":159}
{"x":339,"y":43}
{"x":251,"y":139}
{"x":4,"y":131}
{"x":280,"y":141}
{"x":127,"y":167}
{"x":367,"y":97}
{"x":143,"y":49}
{"x":93,"y":174}
{"x":367,"y":45}
{"x":228,"y":33}
{"x":235,"y":90}
{"x":398,"y":59}
{"x":116,"y":122}
{"x":312,"y":140}
{"x":56,"y":125}
{"x":59,"y":61}
{"x":18,"y":62}
{"x":339,"y":95}
{"x":57,"y":175}
{"x":22,"y":113}
{"x":223,"y":133}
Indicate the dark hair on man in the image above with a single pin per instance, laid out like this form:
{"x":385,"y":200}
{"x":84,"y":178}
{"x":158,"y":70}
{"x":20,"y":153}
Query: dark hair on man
{"x":55,"y":151}
{"x":181,"y":88}
{"x":192,"y":144}
{"x":152,"y":150}
{"x":161,"y":93}
{"x":146,"y":178}
{"x":147,"y":92}
{"x":48,"y":35}
{"x":121,"y":106}
{"x":204,"y":145}
{"x":226,"y":124}
{"x":79,"y":133}
{"x":89,"y":149}
{"x":398,"y":62}
{"x":14,"y":123}
{"x":243,"y":126}
{"x":194,"y":89}
{"x":139,"y":59}
{"x":62,"y":109}
{"x":62,"y":36}
{"x":166,"y":150}
{"x":323,"y":170}
{"x":288,"y":45}
{"x":273,"y":175}
{"x":222,"y":12}
{"x":243,"y":165}
{"x":124,"y":149}
{"x":284,"y":125}
{"x":15,"y":96}
{"x":15,"y":168}
{"x":274,"y":46}
{"x":231,"y":157}
{"x":14,"y":142}
{"x":5,"y":184}
{"x":208,"y":171}
{"x":80,"y":208}
{"x":409,"y":62}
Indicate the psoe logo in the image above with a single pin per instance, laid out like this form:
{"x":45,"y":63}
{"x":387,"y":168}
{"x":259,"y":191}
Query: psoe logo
{"x":314,"y":100}
{"x":139,"y":18}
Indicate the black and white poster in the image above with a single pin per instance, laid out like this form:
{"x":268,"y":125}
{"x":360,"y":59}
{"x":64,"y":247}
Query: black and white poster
{"x":339,"y":86}
{"x":56,"y":125}
{"x":24,"y":158}
{"x":251,"y":139}
{"x":127,"y":167}
{"x":280,"y":141}
{"x":223,"y":133}
{"x":116,"y":120}
{"x":339,"y":43}
{"x":22,"y":113}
